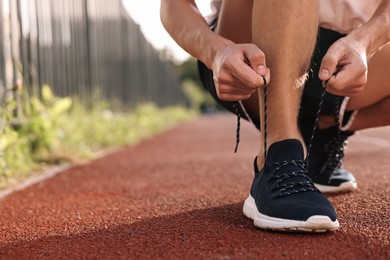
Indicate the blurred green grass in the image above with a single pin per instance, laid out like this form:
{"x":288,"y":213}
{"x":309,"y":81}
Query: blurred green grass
{"x":53,"y":131}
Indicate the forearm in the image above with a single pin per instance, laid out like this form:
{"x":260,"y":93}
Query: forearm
{"x":187,"y":27}
{"x":376,"y":32}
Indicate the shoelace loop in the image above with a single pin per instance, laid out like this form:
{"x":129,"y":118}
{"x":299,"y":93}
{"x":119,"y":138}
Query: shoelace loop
{"x":335,"y":150}
{"x":284,"y":187}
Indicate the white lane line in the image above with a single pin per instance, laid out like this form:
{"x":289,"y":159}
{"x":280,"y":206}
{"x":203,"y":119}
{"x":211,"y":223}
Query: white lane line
{"x":377,"y":141}
{"x":51,"y":172}
{"x":34,"y":180}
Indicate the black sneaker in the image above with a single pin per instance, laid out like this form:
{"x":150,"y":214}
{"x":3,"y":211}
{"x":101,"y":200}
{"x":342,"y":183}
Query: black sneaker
{"x":284,"y":198}
{"x":326,"y":159}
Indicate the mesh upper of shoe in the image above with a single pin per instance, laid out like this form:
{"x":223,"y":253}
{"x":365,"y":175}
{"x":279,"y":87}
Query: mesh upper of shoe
{"x":290,"y":177}
{"x":335,"y":150}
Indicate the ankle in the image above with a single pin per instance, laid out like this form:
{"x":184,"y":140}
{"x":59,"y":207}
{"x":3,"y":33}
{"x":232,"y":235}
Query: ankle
{"x":260,"y":157}
{"x":291,"y":135}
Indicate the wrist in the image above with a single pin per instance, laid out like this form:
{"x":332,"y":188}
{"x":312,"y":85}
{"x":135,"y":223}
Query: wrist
{"x":376,"y":32}
{"x":370,"y":38}
{"x":216,"y":46}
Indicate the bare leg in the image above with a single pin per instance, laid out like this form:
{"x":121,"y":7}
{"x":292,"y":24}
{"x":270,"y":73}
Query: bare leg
{"x":286,"y":39}
{"x":286,"y":31}
{"x":373,"y":116}
{"x":374,"y":102}
{"x":378,"y":85}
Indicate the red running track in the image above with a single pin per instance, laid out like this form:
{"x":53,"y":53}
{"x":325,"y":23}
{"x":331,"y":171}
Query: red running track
{"x":179,"y":196}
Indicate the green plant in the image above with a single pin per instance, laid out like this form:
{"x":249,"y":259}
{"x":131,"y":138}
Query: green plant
{"x":53,"y":130}
{"x":100,"y":128}
{"x":199,"y":98}
{"x":28,"y":138}
{"x":41,"y":121}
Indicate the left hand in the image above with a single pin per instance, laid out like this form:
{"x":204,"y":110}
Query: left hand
{"x":347,"y":60}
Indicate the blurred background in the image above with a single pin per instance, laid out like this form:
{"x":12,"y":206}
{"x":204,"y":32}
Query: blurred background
{"x":79,"y":76}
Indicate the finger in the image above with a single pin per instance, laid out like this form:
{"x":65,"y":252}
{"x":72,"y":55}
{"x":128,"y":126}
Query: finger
{"x":329,"y":62}
{"x":247,"y":66}
{"x":348,"y":84}
{"x":349,"y":81}
{"x":244,"y":73}
{"x":350,"y":92}
{"x":267,"y":76}
{"x":228,"y":80}
{"x":235,"y":97}
{"x":244,"y":82}
{"x":234,"y":90}
{"x":256,"y":59}
{"x":345,"y":93}
{"x":242,"y":85}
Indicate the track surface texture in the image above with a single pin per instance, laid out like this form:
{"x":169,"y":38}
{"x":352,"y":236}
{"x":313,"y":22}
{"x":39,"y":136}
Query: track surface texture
{"x":179,"y":195}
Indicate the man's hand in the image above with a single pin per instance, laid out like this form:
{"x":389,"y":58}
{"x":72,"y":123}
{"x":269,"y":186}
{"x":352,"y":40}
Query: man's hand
{"x":347,"y":60}
{"x":238,"y":71}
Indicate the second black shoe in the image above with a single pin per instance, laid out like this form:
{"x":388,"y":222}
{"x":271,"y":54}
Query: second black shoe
{"x":326,"y":158}
{"x":284,"y":198}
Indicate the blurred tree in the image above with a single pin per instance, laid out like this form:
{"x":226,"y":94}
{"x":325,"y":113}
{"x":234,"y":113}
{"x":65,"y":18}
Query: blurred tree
{"x":200,"y":99}
{"x":188,"y":70}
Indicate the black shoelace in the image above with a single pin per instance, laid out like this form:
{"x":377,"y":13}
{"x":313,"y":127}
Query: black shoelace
{"x":335,"y":150}
{"x":336,"y":115}
{"x":285,"y":189}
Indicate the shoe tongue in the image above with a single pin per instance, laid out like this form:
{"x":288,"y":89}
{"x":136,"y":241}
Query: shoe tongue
{"x":286,"y":150}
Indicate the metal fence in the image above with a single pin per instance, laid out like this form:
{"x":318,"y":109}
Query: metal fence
{"x":79,"y":48}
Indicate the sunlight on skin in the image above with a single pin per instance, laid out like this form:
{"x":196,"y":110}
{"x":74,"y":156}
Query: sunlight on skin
{"x":146,"y":14}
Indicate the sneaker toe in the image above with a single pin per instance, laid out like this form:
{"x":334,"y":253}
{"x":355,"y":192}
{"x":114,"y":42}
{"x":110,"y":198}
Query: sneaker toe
{"x":301,"y":207}
{"x":339,"y":176}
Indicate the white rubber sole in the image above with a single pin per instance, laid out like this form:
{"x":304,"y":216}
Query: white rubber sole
{"x":343,"y":187}
{"x":315,"y":223}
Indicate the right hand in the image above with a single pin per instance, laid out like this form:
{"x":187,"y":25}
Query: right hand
{"x":346,"y":59}
{"x":238,"y":71}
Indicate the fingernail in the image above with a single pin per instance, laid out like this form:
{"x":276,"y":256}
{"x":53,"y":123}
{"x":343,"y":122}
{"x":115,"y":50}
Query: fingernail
{"x":260,"y":70}
{"x":324,"y":74}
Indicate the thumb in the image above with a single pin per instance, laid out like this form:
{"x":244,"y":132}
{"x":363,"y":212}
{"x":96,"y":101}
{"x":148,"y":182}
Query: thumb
{"x":329,"y":64}
{"x":256,"y":59}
